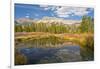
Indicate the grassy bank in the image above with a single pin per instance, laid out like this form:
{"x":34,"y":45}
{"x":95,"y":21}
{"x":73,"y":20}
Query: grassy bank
{"x":83,"y":39}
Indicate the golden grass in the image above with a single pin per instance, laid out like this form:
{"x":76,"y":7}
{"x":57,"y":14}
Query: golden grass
{"x":74,"y":38}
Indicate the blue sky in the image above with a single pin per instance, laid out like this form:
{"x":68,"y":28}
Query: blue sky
{"x":40,"y":11}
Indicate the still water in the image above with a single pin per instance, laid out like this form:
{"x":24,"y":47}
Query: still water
{"x":49,"y":51}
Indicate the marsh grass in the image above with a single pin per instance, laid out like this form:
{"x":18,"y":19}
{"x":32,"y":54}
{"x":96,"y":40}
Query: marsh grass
{"x":53,"y":39}
{"x":87,"y":48}
{"x":20,"y":59}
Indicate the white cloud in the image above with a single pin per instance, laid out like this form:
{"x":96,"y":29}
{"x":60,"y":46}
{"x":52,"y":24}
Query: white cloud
{"x":27,"y":16}
{"x":62,"y":12}
{"x":45,"y":7}
{"x":63,"y":15}
{"x":67,"y":11}
{"x":80,"y":11}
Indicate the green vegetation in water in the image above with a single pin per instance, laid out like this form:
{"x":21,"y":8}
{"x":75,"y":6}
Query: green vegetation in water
{"x":87,"y":48}
{"x":20,"y":59}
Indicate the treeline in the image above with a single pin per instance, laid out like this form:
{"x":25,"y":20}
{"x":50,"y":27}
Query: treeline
{"x":85,"y":26}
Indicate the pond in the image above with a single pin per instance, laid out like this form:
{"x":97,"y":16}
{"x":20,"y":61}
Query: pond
{"x":49,"y":50}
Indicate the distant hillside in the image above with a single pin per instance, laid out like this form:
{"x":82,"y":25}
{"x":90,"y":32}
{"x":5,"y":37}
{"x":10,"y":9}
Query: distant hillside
{"x":48,"y":20}
{"x":23,"y":20}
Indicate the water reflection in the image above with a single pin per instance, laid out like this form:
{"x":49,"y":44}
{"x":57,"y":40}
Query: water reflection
{"x":46,"y":50}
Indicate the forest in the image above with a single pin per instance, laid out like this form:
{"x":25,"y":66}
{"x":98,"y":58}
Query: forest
{"x":86,"y":25}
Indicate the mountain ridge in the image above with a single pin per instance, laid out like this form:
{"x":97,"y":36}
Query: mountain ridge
{"x":47,"y":20}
